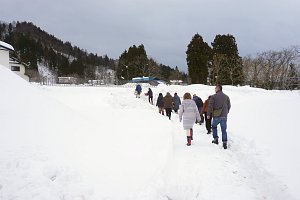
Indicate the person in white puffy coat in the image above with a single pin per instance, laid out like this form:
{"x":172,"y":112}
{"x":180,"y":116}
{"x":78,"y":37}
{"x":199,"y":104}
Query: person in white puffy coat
{"x":188,"y":114}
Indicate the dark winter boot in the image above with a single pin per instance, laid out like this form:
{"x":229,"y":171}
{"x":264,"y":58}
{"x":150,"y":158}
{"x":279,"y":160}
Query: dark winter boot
{"x":162,"y":112}
{"x":189,"y":142}
{"x":225,"y":145}
{"x":215,"y":141}
{"x":191,"y":133}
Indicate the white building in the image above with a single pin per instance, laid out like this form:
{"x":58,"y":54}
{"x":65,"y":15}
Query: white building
{"x":176,"y":82}
{"x":67,"y":80}
{"x":4,"y":53}
{"x":11,"y":63}
{"x":18,"y":67}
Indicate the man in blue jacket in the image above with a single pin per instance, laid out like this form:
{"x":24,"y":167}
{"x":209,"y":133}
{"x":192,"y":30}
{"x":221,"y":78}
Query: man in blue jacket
{"x":199,"y":104}
{"x":138,"y":90}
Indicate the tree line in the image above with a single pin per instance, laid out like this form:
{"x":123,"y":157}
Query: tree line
{"x":220,"y":63}
{"x":273,"y":69}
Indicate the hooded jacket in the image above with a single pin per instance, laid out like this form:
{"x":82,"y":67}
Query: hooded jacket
{"x":160,"y":101}
{"x":188,"y":113}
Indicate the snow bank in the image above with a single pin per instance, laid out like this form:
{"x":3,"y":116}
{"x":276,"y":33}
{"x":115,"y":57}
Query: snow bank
{"x":50,"y":150}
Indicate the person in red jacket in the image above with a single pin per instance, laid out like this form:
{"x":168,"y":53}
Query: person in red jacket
{"x":204,"y":111}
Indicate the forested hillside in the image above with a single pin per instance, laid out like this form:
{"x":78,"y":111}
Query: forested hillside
{"x":36,"y":47}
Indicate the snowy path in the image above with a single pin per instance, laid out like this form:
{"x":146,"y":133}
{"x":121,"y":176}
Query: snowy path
{"x":202,"y":171}
{"x":207,"y":171}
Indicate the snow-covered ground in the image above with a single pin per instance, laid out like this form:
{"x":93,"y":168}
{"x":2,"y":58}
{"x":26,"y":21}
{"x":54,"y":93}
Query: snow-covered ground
{"x":92,"y":143}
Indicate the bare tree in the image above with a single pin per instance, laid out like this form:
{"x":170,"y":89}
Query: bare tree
{"x":271,"y":69}
{"x":217,"y":64}
{"x":252,"y":70}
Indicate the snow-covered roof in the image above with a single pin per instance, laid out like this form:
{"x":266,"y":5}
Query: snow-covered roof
{"x":144,"y":78}
{"x":6,"y":46}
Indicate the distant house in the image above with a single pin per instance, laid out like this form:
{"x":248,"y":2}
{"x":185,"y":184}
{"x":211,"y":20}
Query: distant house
{"x":67,"y":80}
{"x":96,"y":82}
{"x":11,"y":63}
{"x":176,"y":82}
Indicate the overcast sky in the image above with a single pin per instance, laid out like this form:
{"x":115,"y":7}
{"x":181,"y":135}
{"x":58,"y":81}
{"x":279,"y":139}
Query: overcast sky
{"x":165,"y":27}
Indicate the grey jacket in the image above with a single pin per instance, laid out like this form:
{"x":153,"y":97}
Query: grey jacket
{"x":217,"y":101}
{"x":177,"y":102}
{"x":188,"y":113}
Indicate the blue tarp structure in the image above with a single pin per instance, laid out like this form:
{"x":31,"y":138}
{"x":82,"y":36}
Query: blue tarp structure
{"x":143,"y":79}
{"x":151,"y":80}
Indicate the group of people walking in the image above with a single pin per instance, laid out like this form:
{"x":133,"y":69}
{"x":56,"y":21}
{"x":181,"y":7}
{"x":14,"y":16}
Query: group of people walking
{"x":168,"y":103}
{"x":191,"y":110}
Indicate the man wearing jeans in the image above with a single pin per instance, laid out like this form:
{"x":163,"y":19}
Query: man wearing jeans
{"x":218,"y":108}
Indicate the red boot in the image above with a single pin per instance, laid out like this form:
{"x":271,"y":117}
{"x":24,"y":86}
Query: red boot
{"x":191,"y":133}
{"x":189,"y":141}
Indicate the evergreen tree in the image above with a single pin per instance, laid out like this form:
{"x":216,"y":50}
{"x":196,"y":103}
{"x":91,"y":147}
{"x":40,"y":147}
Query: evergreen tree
{"x":227,"y":64}
{"x":77,"y":67}
{"x":176,"y":75}
{"x":198,"y":59}
{"x":165,"y":72}
{"x":133,"y":63}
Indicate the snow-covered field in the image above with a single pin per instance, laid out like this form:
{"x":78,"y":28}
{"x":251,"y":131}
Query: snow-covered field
{"x":92,"y":143}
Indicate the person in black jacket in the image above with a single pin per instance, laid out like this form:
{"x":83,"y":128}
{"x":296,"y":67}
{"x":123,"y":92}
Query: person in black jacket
{"x":177,"y":102}
{"x":160,"y":104}
{"x":150,"y":96}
